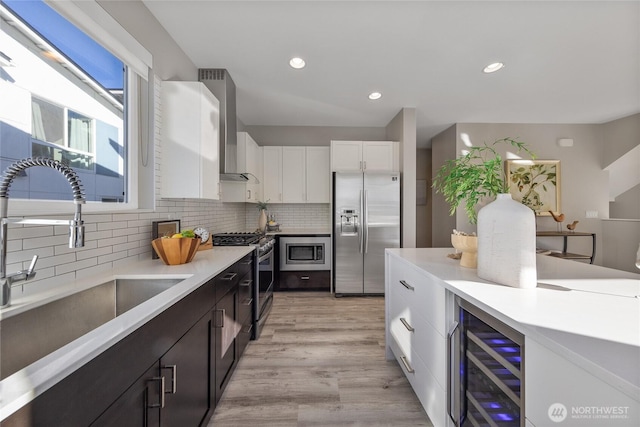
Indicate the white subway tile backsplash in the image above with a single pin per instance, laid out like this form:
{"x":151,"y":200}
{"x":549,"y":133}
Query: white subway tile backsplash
{"x":73,"y":266}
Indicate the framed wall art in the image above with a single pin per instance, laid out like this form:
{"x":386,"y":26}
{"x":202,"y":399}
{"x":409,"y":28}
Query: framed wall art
{"x":535,"y":183}
{"x":162,"y":229}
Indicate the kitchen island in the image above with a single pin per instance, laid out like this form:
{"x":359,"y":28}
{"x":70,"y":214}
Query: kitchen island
{"x":25,"y":386}
{"x":581,"y":327}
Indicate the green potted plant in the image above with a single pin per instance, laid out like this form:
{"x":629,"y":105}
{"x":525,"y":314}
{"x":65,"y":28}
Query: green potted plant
{"x":470,"y":178}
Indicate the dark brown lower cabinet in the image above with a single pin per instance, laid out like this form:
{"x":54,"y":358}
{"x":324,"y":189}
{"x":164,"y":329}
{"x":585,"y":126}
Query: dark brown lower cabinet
{"x":304,"y":280}
{"x":169,"y":372}
{"x":174,"y":392}
{"x":225,"y":329}
{"x":136,"y":406}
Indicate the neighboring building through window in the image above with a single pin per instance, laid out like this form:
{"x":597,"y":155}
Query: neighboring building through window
{"x":63,"y":98}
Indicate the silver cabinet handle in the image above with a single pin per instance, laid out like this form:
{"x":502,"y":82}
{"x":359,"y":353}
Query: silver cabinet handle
{"x":161,"y":404}
{"x":248,"y":301}
{"x":246,"y":283}
{"x":219,"y":314}
{"x":304,"y":277}
{"x":174,"y":378}
{"x":248,"y":262}
{"x":406,"y":324}
{"x":365,"y":165}
{"x":361,"y":165}
{"x":406,"y":364}
{"x":249,"y":194}
{"x":406,"y":285}
{"x":229,"y":276}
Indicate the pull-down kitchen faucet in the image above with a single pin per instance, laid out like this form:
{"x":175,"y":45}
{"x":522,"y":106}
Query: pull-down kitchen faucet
{"x":76,"y":225}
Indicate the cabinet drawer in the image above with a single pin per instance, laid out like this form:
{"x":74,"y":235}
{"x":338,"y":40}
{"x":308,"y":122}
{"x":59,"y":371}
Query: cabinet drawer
{"x":304,"y":280}
{"x":245,"y":265}
{"x":432,"y":396}
{"x":420,"y":291}
{"x":413,"y":333}
{"x":245,"y":297}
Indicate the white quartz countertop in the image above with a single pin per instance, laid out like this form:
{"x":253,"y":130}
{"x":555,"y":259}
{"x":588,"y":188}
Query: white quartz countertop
{"x":582,"y":311}
{"x":301,"y":231}
{"x":20,"y":388}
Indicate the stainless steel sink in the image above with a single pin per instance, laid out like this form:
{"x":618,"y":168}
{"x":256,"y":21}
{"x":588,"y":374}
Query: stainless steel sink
{"x":31,"y":335}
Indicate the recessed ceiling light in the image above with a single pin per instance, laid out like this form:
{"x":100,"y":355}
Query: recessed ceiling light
{"x":492,"y":68}
{"x":375,"y":95}
{"x":297,"y":63}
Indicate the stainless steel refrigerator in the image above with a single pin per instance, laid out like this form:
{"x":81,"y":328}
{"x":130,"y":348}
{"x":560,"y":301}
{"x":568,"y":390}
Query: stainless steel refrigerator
{"x":366,"y":220}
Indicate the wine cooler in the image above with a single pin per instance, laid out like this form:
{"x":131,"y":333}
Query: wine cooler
{"x":486,"y":371}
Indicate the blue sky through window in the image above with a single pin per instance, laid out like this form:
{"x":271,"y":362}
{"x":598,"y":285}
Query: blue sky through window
{"x":83,"y":50}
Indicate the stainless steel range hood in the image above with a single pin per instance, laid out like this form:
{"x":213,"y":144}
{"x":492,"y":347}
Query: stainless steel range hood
{"x":222,"y":86}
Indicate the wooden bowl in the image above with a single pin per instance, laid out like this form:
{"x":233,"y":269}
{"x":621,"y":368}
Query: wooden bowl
{"x":468,"y":245}
{"x":176,"y":251}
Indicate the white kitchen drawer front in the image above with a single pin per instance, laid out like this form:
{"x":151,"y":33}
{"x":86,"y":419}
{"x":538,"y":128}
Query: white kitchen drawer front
{"x":423,"y":293}
{"x":413,"y":333}
{"x":431,"y":395}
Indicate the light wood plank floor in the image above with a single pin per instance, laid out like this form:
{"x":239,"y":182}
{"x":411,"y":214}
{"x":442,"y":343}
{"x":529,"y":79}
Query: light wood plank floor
{"x":320,"y":361}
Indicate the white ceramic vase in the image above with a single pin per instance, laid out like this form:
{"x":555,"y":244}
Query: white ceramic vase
{"x":262,"y":220}
{"x":507,"y":243}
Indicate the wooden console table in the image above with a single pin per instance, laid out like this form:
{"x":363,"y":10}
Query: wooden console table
{"x":565,"y":235}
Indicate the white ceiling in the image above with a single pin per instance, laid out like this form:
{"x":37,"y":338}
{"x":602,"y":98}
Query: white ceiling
{"x":566,"y":61}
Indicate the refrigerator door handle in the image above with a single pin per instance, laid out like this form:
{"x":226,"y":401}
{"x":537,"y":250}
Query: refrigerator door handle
{"x":366,"y":222}
{"x":360,"y":231}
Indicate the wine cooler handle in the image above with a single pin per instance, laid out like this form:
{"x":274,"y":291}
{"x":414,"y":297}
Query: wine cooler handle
{"x":453,"y":375}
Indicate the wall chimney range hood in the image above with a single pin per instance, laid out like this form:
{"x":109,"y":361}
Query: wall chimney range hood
{"x":222,"y":86}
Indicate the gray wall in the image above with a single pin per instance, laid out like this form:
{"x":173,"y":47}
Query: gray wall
{"x":443,"y":147}
{"x":312,"y":135}
{"x":402,"y":128}
{"x":626,"y":205}
{"x":423,"y":212}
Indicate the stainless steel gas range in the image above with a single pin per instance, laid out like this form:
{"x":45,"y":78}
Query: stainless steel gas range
{"x":262,"y":292}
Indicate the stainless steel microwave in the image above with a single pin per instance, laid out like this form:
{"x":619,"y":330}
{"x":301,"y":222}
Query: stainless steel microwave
{"x":305,"y":253}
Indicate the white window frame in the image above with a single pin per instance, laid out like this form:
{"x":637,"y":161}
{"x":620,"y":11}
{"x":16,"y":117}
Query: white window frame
{"x":90,"y":17}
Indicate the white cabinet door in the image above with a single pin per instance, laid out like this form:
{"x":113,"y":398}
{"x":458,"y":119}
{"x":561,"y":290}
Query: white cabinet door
{"x":378,"y":156}
{"x":346,"y":156}
{"x":272,"y":174}
{"x":318,"y":174}
{"x":293,"y":175}
{"x":190,"y":141}
{"x":364,"y":156}
{"x":252,"y":166}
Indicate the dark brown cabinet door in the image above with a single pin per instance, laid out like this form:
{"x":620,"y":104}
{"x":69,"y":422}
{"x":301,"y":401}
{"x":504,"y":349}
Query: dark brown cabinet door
{"x":186,"y":368}
{"x":139,"y":406}
{"x":226,"y":327}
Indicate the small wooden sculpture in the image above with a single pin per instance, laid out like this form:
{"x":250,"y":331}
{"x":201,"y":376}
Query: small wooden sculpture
{"x":558,"y":218}
{"x":572,"y":226}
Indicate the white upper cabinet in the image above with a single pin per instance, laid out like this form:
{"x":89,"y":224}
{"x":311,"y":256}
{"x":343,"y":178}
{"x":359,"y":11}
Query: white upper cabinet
{"x":318,"y":174}
{"x":293,"y":175}
{"x":346,"y":156}
{"x":272,"y":174}
{"x":296,"y":174}
{"x":249,"y":159}
{"x":190,"y":141}
{"x":364,"y":156}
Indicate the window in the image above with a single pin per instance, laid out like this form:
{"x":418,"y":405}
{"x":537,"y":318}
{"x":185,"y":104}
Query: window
{"x":72,"y":100}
